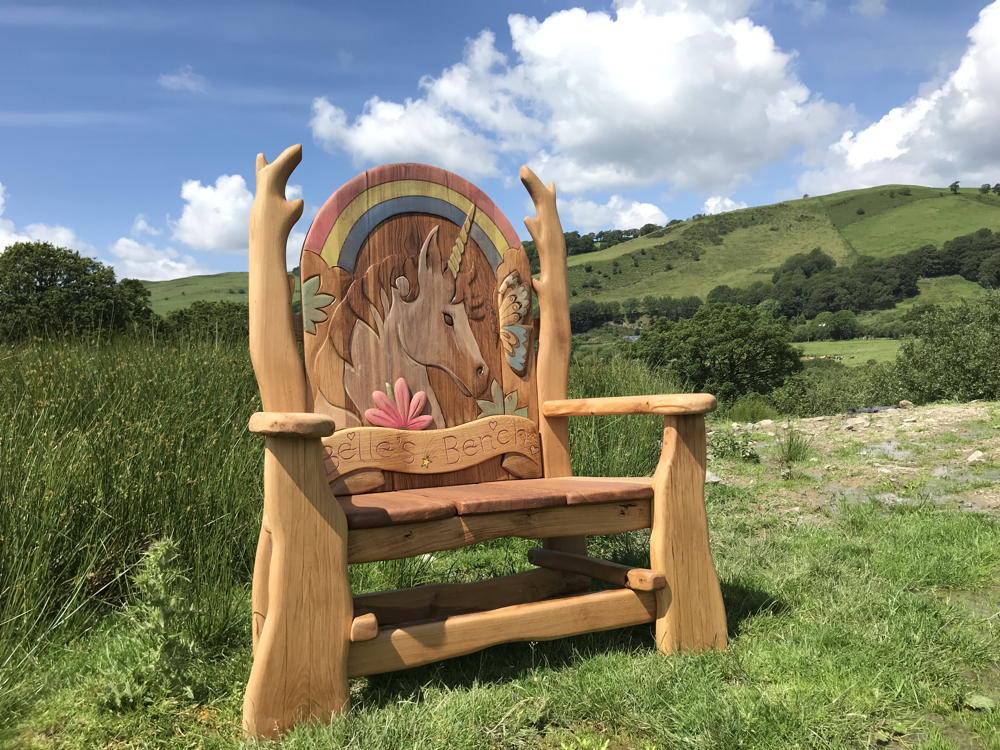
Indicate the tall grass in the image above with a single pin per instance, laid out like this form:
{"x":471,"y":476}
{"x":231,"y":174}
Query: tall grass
{"x":105,"y":448}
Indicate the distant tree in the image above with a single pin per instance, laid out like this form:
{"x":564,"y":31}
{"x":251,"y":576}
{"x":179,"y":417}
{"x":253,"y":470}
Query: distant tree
{"x":647,"y":228}
{"x":729,"y":350}
{"x":984,"y":188}
{"x":996,"y":188}
{"x":953,"y":187}
{"x":53,"y":291}
{"x":632,"y":308}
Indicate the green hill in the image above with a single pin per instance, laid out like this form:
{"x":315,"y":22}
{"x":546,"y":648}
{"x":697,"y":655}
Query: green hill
{"x":166,"y":296}
{"x":734,"y":248}
{"x":740,"y":247}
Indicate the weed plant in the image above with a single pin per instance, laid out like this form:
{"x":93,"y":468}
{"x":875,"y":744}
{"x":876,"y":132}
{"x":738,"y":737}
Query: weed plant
{"x":793,"y":447}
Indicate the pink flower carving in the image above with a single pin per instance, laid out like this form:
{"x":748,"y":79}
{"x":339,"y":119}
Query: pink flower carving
{"x":402,"y":415}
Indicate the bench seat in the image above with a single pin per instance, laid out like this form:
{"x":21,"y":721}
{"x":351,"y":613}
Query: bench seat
{"x":377,"y":509}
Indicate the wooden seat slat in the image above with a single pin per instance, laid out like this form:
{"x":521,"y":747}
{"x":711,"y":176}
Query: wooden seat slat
{"x":371,"y":510}
{"x":374,"y":510}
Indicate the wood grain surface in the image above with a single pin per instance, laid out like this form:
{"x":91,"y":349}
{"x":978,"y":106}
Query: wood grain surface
{"x":406,"y":646}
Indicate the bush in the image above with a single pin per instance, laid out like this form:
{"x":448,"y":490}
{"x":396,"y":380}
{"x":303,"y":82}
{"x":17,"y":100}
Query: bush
{"x":728,"y":350}
{"x":829,"y":387}
{"x":751,"y":408}
{"x":956,"y":354}
{"x":793,"y":447}
{"x":735,"y":445}
{"x":209,"y":321}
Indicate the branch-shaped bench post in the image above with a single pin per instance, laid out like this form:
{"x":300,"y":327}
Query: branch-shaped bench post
{"x":302,"y":609}
{"x":554,"y":338}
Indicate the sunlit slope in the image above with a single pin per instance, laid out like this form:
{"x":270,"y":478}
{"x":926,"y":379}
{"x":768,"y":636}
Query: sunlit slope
{"x":166,"y":296}
{"x":740,"y":247}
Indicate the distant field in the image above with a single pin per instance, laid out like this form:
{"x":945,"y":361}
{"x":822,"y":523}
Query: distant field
{"x":854,"y":351}
{"x":931,"y":221}
{"x":166,"y":296}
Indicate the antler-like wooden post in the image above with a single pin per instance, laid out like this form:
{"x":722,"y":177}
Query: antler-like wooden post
{"x":301,"y":592}
{"x":553,"y":336}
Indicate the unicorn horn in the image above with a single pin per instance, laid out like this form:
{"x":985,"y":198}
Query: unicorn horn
{"x":458,"y":250}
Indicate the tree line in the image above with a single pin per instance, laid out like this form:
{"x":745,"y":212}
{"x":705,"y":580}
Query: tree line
{"x":807,"y":284}
{"x":54,"y":292}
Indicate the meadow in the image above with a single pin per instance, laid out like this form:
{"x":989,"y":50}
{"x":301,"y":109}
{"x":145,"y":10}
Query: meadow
{"x":853,"y":352}
{"x":111,"y":636}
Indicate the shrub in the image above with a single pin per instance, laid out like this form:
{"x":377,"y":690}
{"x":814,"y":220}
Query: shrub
{"x":956,"y":354}
{"x":751,"y":408}
{"x":829,"y":387}
{"x":209,"y":321}
{"x":735,"y":445}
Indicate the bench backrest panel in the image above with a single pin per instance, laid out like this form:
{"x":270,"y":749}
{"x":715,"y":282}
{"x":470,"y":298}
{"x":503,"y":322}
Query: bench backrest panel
{"x":416,"y":304}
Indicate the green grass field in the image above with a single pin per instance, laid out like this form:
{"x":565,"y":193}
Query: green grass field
{"x":931,"y":221}
{"x":854,"y":351}
{"x":841,"y":637}
{"x":166,"y":296}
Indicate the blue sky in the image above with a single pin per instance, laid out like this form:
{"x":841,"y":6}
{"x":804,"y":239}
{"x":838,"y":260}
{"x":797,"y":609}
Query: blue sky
{"x":128,"y":130}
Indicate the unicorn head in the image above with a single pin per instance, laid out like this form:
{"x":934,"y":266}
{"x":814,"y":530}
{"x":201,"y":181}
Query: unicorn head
{"x":432,"y":326}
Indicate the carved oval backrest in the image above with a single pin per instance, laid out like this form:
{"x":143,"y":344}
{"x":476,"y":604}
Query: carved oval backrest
{"x":418,"y":337}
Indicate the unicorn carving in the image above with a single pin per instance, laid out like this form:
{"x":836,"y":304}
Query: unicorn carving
{"x":402,"y":317}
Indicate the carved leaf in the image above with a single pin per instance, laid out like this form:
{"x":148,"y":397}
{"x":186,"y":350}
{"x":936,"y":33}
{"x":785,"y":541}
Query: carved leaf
{"x":501,"y":403}
{"x":313,"y":302}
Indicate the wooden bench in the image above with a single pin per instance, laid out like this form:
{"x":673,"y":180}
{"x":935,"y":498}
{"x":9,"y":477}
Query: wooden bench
{"x":428,"y":411}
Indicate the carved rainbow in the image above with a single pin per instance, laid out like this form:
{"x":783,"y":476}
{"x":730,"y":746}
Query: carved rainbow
{"x":352,"y":213}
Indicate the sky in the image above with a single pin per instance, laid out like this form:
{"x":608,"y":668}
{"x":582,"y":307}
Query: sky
{"x":128,"y":130}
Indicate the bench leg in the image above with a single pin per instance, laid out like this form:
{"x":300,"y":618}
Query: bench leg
{"x":689,"y":612}
{"x":299,"y":670}
{"x":261,"y":572}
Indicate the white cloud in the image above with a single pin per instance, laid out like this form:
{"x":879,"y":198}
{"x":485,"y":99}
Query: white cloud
{"x":55,"y":234}
{"x":718,"y":204}
{"x":184,"y":79}
{"x":682,"y":92}
{"x":869,"y":8}
{"x":617,"y":213}
{"x":136,"y":260}
{"x":215,"y":217}
{"x":412,"y":131}
{"x":141,"y":226}
{"x":947,"y":132}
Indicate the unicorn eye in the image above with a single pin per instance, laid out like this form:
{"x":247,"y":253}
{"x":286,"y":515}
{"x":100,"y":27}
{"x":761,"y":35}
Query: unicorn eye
{"x":448,"y":320}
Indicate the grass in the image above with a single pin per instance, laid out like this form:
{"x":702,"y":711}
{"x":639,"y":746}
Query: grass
{"x":166,"y":296}
{"x":931,"y":221}
{"x":841,"y":635}
{"x":853,"y":351}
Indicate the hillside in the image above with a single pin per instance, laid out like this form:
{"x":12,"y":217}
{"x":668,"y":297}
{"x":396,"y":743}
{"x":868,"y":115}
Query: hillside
{"x":734,"y":248}
{"x":740,"y":247}
{"x":166,"y":296}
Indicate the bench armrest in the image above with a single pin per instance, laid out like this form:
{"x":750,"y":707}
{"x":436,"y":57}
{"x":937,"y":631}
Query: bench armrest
{"x":291,"y":424}
{"x":668,"y":404}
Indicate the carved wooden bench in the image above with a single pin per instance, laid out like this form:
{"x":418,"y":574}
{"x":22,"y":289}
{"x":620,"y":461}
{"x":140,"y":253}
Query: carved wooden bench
{"x":430,"y":413}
